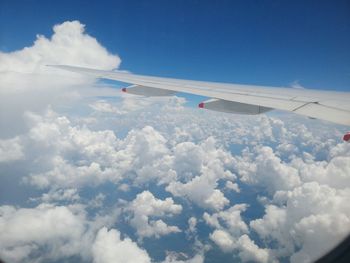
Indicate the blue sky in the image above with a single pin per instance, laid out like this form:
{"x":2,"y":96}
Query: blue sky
{"x":254,"y":42}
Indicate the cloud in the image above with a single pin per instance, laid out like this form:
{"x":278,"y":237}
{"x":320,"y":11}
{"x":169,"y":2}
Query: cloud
{"x":77,"y":156}
{"x":109,"y":247}
{"x":209,"y":164}
{"x":231,"y":234}
{"x":54,"y":231}
{"x":303,"y":218}
{"x":51,"y":232}
{"x":223,"y":239}
{"x":250,"y":252}
{"x":55,"y":135}
{"x":26,"y":83}
{"x":145,"y":207}
{"x":11,"y":150}
{"x":192,"y":223}
{"x":232,"y":186}
{"x":70,"y":195}
{"x":103,"y":106}
{"x":69,"y":45}
{"x":147,"y":155}
{"x":229,"y":220}
{"x":262,"y":167}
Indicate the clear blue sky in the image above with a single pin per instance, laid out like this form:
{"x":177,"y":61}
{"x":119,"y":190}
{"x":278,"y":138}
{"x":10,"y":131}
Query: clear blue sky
{"x":252,"y":42}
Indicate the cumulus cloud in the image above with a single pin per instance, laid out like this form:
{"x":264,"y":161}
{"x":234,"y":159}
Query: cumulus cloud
{"x":54,"y":231}
{"x":105,"y":107}
{"x":145,"y":207}
{"x":51,"y":232}
{"x":70,"y":195}
{"x":264,"y":168}
{"x":26,"y":83}
{"x":61,"y":140}
{"x":147,"y":155}
{"x":109,"y":247}
{"x":77,"y":156}
{"x":232,"y":186}
{"x":250,"y":252}
{"x":231,"y":234}
{"x":11,"y":150}
{"x":229,"y":220}
{"x":312,"y":213}
{"x":209,"y":164}
{"x":223,"y":239}
{"x":314,"y":210}
{"x":69,"y":44}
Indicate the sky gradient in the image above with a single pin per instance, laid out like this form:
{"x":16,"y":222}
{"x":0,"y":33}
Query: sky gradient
{"x":274,"y":43}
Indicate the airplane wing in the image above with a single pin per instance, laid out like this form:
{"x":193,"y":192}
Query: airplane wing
{"x":236,"y":98}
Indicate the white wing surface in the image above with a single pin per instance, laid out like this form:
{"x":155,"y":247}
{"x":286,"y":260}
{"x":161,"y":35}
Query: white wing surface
{"x":326,"y":105}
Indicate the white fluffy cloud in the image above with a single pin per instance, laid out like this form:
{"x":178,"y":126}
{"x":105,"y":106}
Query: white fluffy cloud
{"x":11,"y":150}
{"x":145,"y":207}
{"x":209,"y":164}
{"x":26,"y":83}
{"x":69,"y":44}
{"x":231,"y":220}
{"x":316,"y":209}
{"x":109,"y":247}
{"x":77,"y":156}
{"x":312,"y":213}
{"x":250,"y":252}
{"x":103,"y":106}
{"x":229,"y":226}
{"x":264,"y":168}
{"x":54,"y":231}
{"x":70,"y":195}
{"x":50,"y":232}
{"x":146,"y":155}
{"x":224,"y":240}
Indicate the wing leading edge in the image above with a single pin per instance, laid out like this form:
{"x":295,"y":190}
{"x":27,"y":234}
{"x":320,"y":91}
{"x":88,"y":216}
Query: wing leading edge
{"x":324,"y":105}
